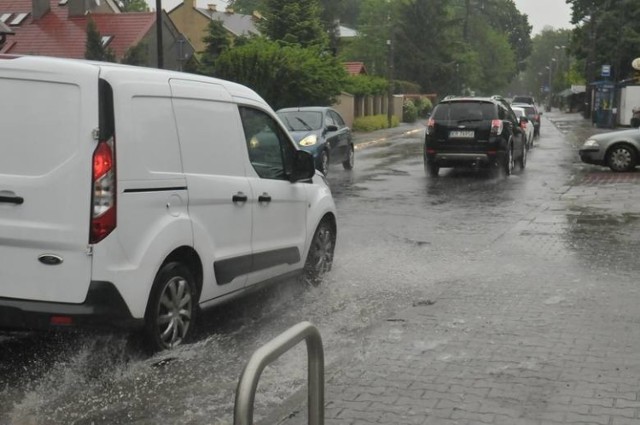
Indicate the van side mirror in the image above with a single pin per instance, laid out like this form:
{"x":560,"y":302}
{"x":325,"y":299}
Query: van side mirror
{"x":331,"y":127}
{"x":303,"y":166}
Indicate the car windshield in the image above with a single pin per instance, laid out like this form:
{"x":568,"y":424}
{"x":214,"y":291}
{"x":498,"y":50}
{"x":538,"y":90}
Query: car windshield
{"x":301,"y":120}
{"x":464,"y":111}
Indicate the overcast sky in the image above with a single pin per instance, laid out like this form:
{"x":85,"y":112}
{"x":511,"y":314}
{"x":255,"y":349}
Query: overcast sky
{"x":555,"y":13}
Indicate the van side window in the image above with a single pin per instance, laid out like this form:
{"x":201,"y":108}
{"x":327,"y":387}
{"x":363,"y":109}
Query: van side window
{"x":270,"y":151}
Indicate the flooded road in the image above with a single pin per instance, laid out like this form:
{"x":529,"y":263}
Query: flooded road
{"x":404,"y":239}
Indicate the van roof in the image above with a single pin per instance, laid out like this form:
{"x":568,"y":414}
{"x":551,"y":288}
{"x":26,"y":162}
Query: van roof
{"x":55,"y":65}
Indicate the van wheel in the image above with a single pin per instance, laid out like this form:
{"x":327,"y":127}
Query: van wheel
{"x":171,"y":312}
{"x":320,"y":257}
{"x":348,"y":163}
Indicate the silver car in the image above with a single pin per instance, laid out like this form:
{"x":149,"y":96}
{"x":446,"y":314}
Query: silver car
{"x":617,"y":150}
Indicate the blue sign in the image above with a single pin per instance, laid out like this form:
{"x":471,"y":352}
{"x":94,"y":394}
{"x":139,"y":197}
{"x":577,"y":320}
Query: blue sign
{"x":606,"y":71}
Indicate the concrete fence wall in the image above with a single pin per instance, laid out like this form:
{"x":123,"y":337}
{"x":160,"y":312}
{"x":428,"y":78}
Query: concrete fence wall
{"x":352,"y":107}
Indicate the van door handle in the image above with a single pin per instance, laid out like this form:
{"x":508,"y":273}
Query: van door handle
{"x":18,"y":200}
{"x":239,"y":198}
{"x":264,"y":198}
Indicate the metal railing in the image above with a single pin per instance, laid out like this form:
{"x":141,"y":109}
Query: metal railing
{"x":271,"y":351}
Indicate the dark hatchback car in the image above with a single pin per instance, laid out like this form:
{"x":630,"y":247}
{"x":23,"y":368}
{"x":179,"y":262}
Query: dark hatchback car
{"x":321,"y":131}
{"x":474,"y":131}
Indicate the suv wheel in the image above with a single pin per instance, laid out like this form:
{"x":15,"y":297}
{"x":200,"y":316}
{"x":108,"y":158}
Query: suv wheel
{"x":431,"y":169}
{"x":170,"y":315}
{"x":509,"y":162}
{"x":522,"y":162}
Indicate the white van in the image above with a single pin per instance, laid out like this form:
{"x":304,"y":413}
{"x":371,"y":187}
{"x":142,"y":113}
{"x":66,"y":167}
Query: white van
{"x":133,"y":197}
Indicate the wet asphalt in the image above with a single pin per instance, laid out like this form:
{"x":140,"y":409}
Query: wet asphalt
{"x":468,"y":298}
{"x":527,"y":311}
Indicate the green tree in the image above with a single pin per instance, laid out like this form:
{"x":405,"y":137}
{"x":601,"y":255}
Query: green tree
{"x":94,"y":48}
{"x":606,"y":32}
{"x":247,"y":6}
{"x":426,"y":42}
{"x":137,"y":55}
{"x":284,"y":75}
{"x":217,"y":41}
{"x":135,"y":6}
{"x":374,"y":29}
{"x":294,"y":22}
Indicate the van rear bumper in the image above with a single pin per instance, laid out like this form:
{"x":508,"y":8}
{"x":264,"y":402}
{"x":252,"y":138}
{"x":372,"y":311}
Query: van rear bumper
{"x":104,"y":307}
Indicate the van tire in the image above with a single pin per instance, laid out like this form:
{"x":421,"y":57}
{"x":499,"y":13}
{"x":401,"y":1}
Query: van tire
{"x":320,"y":258}
{"x":171,"y":312}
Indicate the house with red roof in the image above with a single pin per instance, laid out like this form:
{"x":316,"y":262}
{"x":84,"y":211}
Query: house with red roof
{"x":355,"y":68}
{"x":59,"y":28}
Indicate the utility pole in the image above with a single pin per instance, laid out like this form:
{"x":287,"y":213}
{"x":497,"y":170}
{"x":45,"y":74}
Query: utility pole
{"x":390,"y":45}
{"x":159,"y":33}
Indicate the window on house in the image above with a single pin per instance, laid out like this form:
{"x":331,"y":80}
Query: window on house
{"x":5,"y":17}
{"x":19,"y":18}
{"x":106,"y":39}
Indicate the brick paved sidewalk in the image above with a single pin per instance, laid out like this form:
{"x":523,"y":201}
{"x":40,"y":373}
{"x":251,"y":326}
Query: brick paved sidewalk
{"x":561,"y":347}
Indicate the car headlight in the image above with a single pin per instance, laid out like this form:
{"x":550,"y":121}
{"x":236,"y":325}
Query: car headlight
{"x":591,"y":144}
{"x":310,"y":140}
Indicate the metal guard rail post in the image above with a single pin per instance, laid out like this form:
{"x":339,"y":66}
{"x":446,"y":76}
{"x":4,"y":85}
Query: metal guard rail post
{"x":271,"y":351}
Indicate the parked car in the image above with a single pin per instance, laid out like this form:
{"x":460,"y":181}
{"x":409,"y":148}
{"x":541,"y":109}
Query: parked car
{"x":321,"y":131}
{"x":474,"y":131}
{"x":533,"y":113}
{"x":619,"y":150}
{"x":134,"y":197}
{"x":525,"y":123}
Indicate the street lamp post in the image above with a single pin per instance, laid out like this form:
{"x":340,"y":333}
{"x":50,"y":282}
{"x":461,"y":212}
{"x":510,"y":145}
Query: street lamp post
{"x":550,"y":68}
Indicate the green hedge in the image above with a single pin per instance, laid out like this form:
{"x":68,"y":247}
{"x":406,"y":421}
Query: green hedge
{"x":374,"y":122}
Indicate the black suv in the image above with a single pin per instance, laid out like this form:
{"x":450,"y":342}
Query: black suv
{"x":474,"y":131}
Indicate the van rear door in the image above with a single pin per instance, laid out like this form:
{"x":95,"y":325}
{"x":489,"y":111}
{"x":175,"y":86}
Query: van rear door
{"x":48,"y":114}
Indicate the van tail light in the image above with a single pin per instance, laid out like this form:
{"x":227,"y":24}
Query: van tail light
{"x":431,"y":123}
{"x":103,"y":199}
{"x":496,"y":127}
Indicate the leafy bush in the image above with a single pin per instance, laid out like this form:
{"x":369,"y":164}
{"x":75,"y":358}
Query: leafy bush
{"x":409,"y":111}
{"x":284,"y":75}
{"x":374,"y":122}
{"x":405,"y":87}
{"x":365,"y":85}
{"x":424,"y":106}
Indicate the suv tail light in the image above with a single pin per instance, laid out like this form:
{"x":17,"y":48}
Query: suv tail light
{"x":103,"y":198}
{"x":431,"y":123}
{"x":496,"y":127}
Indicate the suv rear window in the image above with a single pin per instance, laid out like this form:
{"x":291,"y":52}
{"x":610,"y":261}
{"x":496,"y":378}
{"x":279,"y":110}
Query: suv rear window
{"x":457,"y":111}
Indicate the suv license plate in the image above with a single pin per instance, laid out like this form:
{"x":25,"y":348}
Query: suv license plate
{"x":462,"y":134}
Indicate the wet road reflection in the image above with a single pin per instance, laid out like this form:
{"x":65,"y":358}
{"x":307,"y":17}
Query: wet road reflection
{"x":403,"y":238}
